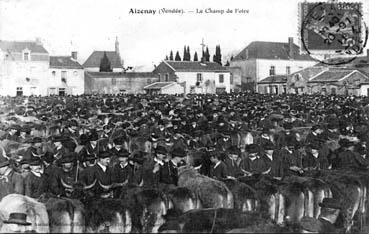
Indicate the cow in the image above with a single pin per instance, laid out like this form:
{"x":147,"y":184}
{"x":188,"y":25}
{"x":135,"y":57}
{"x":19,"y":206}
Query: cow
{"x":36,"y":211}
{"x":108,"y":215}
{"x":210,"y":193}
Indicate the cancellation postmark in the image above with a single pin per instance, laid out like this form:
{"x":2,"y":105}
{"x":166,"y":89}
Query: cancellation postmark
{"x":333,"y":29}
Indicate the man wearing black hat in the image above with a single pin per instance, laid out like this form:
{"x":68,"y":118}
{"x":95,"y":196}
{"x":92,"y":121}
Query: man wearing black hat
{"x":35,"y":181}
{"x":272,"y":161}
{"x":118,"y":147}
{"x":10,"y":180}
{"x":232,"y":161}
{"x":121,"y":171}
{"x":252,"y":164}
{"x":292,"y":159}
{"x":102,"y":173}
{"x":314,"y":159}
{"x":59,"y":149}
{"x":314,"y":135}
{"x":168,"y":173}
{"x":136,"y":162}
{"x":218,"y":170}
{"x":12,"y":134}
{"x":65,"y":176}
{"x":345,"y":157}
{"x":152,"y":166}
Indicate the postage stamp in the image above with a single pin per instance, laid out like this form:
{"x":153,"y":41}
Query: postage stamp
{"x":333,"y":28}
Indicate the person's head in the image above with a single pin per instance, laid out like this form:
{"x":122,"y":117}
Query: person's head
{"x":67,"y":161}
{"x":269,"y":149}
{"x":104,"y":158}
{"x":233,"y":152}
{"x":160,"y":152}
{"x":17,"y":223}
{"x":214,"y":157}
{"x":123,"y":156}
{"x":253,"y":150}
{"x":36,"y":166}
{"x":178,"y":155}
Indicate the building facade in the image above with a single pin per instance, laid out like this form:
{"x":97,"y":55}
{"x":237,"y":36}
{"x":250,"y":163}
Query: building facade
{"x":195,"y":77}
{"x":117,"y":82}
{"x":92,"y":64}
{"x":24,"y":67}
{"x":164,"y":88}
{"x":66,"y":76}
{"x":260,"y":60}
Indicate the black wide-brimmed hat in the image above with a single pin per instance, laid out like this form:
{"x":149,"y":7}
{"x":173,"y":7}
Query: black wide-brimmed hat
{"x":17,"y":218}
{"x":161,"y":150}
{"x":68,"y":158}
{"x":123,"y":153}
{"x":104,"y":154}
{"x":179,"y":152}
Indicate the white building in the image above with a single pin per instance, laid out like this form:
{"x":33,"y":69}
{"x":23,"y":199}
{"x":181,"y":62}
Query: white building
{"x":263,"y":59}
{"x":195,"y":77}
{"x":66,"y":76}
{"x":24,"y":67}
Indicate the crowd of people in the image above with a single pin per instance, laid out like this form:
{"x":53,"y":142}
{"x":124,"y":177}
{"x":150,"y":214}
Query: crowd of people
{"x":105,"y":142}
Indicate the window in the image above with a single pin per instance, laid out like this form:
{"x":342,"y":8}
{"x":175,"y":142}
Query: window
{"x":288,"y":70}
{"x":284,"y":89}
{"x":113,"y":81}
{"x":19,"y":91}
{"x":53,"y":73}
{"x":221,"y":78}
{"x":199,"y":77}
{"x":61,"y":91}
{"x":26,"y":56}
{"x":64,"y":74}
{"x":159,"y":77}
{"x":231,"y":79}
{"x":166,"y":77}
{"x":272,"y":71}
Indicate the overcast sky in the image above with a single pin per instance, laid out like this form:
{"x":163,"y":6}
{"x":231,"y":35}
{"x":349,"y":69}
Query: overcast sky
{"x":87,"y":25}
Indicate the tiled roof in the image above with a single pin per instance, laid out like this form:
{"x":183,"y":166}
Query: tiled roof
{"x":19,"y":46}
{"x":158,"y":85}
{"x":64,"y":62}
{"x":274,"y":79}
{"x":120,"y":74}
{"x":270,"y":50}
{"x":331,"y":75}
{"x":187,"y":66}
{"x":96,"y":56}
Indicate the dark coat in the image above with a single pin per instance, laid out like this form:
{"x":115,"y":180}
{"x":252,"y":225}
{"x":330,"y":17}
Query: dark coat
{"x":34,"y":185}
{"x":275,"y":165}
{"x":311,"y":163}
{"x":168,"y":173}
{"x":56,"y":186}
{"x":104,"y":178}
{"x":289,"y":160}
{"x":12,"y":183}
{"x":253,"y":166}
{"x":150,"y":179}
{"x":220,"y":172}
{"x":232,"y":167}
{"x":121,"y":174}
{"x":344,"y":160}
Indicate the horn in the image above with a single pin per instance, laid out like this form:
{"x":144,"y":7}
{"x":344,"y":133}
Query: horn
{"x":106,"y":187}
{"x":65,"y":185}
{"x":36,"y":155}
{"x":90,"y":186}
{"x":198,"y":167}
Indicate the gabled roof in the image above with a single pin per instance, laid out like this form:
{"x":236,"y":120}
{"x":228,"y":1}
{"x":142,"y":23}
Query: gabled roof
{"x":96,"y":56}
{"x":159,"y":85}
{"x":188,"y":66}
{"x":119,"y":75}
{"x":333,"y":75}
{"x":19,"y":46}
{"x":64,"y":62}
{"x":270,"y":50}
{"x":274,"y":79}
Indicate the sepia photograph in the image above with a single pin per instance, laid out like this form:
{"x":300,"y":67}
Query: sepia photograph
{"x":238,"y":116}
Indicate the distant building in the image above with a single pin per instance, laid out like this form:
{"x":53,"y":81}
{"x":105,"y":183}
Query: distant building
{"x":345,"y":79}
{"x":164,"y":88}
{"x":260,"y":60}
{"x":24,"y":68}
{"x":195,"y":77}
{"x":66,"y":76}
{"x":92,"y":63}
{"x":118,"y":82}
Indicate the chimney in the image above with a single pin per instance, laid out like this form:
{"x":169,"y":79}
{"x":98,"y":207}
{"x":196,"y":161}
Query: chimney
{"x":38,"y":41}
{"x":290,"y":47}
{"x":367,"y":55}
{"x":74,"y":55}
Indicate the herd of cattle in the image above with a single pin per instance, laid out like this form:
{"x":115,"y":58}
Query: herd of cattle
{"x":255,"y":204}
